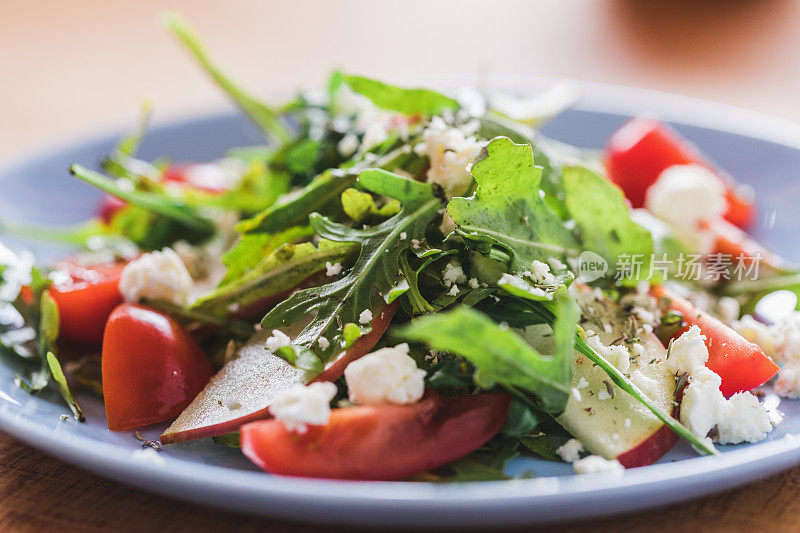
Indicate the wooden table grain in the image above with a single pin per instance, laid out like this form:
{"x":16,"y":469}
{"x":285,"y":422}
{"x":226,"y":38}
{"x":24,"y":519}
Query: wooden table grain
{"x":67,"y":68}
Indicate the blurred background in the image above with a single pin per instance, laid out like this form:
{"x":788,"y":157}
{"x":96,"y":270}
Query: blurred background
{"x":67,"y":68}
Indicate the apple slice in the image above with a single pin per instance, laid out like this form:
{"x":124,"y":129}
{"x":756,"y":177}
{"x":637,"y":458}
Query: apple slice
{"x":607,"y":420}
{"x":246,"y":386}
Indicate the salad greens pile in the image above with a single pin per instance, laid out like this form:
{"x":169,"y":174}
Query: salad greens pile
{"x":340,"y":214}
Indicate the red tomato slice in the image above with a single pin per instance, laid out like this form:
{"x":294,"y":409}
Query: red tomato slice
{"x":110,"y":205}
{"x":741,"y":364}
{"x":152,"y":367}
{"x":380,"y":442}
{"x":643,"y":148}
{"x":735,"y":243}
{"x":86,"y":300}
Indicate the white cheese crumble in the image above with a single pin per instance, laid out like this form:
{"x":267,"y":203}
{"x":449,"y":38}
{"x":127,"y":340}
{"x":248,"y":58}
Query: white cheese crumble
{"x":348,"y":145}
{"x":728,"y":309}
{"x":403,"y":236}
{"x":556,"y":264}
{"x":582,"y":383}
{"x":156,"y":276}
{"x":278,"y":340}
{"x":615,"y":354}
{"x":603,"y":394}
{"x":453,"y":273}
{"x":745,"y":420}
{"x":450,"y":150}
{"x":323,"y":343}
{"x":645,"y":383}
{"x":685,"y":195}
{"x":365,"y":317}
{"x":473,"y":283}
{"x":332,"y":269}
{"x":688,"y":352}
{"x":299,"y":406}
{"x":781,"y":341}
{"x":594,"y":464}
{"x":540,"y":273}
{"x":386,"y":376}
{"x":576,"y":394}
{"x":570,"y":451}
{"x":788,"y":383}
{"x":454,"y":290}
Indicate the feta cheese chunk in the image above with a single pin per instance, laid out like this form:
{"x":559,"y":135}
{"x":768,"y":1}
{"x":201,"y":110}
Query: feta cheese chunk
{"x":685,"y":195}
{"x":594,"y":464}
{"x":453,"y":273}
{"x":788,"y":383}
{"x":386,"y":376}
{"x":570,"y":451}
{"x":332,"y":269}
{"x":688,"y":352}
{"x":745,"y":420}
{"x":450,"y":150}
{"x":540,"y":273}
{"x":365,"y":317}
{"x":156,"y":276}
{"x":703,"y":404}
{"x":300,"y":406}
{"x":615,"y":354}
{"x":278,"y":340}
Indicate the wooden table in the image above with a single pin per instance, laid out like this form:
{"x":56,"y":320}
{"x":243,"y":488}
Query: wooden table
{"x":71,"y":67}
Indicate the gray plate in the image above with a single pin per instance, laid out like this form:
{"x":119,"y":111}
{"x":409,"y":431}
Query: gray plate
{"x":758,"y":150}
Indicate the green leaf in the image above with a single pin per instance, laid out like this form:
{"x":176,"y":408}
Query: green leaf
{"x":406,"y":101}
{"x":360,"y":207}
{"x":252,"y":248}
{"x":603,"y":219}
{"x":507,"y":208}
{"x":49,"y":323}
{"x":502,"y":356}
{"x":76,"y":235}
{"x":259,"y":188}
{"x":173,"y":209}
{"x":278,"y":272}
{"x":540,"y":445}
{"x":264,"y":117}
{"x":375,"y":272}
{"x":63,"y":387}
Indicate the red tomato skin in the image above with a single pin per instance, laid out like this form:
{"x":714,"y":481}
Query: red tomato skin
{"x":152,"y":368}
{"x":741,"y":364}
{"x":381,"y":442}
{"x":85,"y":302}
{"x":643,"y":148}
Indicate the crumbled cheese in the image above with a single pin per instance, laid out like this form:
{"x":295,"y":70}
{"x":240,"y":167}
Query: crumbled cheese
{"x":745,"y":420}
{"x":473,"y":283}
{"x":615,"y":354}
{"x":603,"y":395}
{"x":386,"y":376}
{"x":348,"y":145}
{"x":728,"y":309}
{"x":454,"y":290}
{"x":365,"y":317}
{"x":449,"y":150}
{"x":278,"y":340}
{"x":594,"y":464}
{"x":514,"y":281}
{"x":453,"y":273}
{"x":323,"y":343}
{"x":685,"y":195}
{"x":687,"y":352}
{"x":556,"y":264}
{"x":570,"y":451}
{"x":703,"y":404}
{"x":788,"y":383}
{"x":403,"y":236}
{"x":648,"y":317}
{"x":156,"y":276}
{"x":416,"y":244}
{"x":233,"y":404}
{"x":582,"y":383}
{"x":332,"y":269}
{"x":637,"y":349}
{"x":576,"y":394}
{"x":299,"y":406}
{"x":540,"y":273}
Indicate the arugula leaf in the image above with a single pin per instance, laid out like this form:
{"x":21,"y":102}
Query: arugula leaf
{"x":507,"y":208}
{"x":406,"y":101}
{"x":500,"y":355}
{"x":63,"y":386}
{"x":375,"y":272}
{"x":264,"y":117}
{"x":251,"y":248}
{"x":360,"y":207}
{"x":540,"y":445}
{"x":602,"y":218}
{"x":173,"y":209}
{"x":277,"y":272}
{"x":259,"y":188}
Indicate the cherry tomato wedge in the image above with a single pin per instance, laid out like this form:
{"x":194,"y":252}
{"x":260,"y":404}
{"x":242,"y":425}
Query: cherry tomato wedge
{"x":741,"y":364}
{"x":152,"y":367}
{"x":86,"y":299}
{"x":380,"y":442}
{"x":732,"y":242}
{"x":643,"y":148}
{"x":110,"y":205}
{"x":202,"y":176}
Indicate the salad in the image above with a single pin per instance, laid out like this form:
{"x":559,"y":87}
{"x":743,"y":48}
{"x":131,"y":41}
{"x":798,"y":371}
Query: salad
{"x":405,"y":284}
